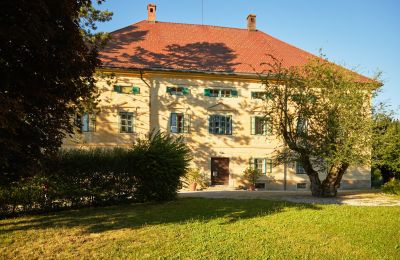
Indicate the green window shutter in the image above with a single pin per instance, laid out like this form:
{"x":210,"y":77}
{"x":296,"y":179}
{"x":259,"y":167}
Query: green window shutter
{"x":185,"y":91}
{"x":117,"y":88}
{"x":169,"y":89}
{"x":234,"y":93}
{"x":268,"y":95}
{"x":253,"y":94}
{"x":253,"y":125}
{"x":186,"y":123}
{"x":135,"y":90}
{"x":207,"y":92}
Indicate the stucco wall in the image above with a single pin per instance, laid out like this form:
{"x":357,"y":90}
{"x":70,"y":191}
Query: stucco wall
{"x":152,"y":108}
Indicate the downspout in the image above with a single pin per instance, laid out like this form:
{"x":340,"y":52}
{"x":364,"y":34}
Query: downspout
{"x":148,"y":85}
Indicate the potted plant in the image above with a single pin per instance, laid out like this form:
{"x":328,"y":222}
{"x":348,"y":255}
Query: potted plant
{"x":251,"y":175}
{"x":193,"y":178}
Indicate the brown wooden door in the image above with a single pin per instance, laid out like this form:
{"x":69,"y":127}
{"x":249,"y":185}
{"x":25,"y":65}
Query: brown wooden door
{"x":219,"y":171}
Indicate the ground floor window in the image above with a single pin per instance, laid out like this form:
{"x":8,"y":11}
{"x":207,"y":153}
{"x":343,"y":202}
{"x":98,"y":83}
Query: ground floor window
{"x":300,"y":168}
{"x":126,"y":122}
{"x":262,"y":164}
{"x":86,"y":122}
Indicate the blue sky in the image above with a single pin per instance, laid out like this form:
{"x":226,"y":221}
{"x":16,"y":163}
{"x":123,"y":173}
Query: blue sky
{"x":361,"y":34}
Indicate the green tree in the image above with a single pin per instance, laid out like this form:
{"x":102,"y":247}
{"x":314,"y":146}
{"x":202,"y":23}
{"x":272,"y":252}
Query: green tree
{"x":48,"y":55}
{"x":386,"y":145}
{"x":322,"y":114}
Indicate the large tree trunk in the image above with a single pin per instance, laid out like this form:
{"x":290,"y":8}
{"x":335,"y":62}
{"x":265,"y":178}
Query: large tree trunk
{"x":329,"y":186}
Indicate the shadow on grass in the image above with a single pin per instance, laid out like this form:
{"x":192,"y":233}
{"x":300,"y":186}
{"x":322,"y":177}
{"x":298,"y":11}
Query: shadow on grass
{"x":97,"y":220}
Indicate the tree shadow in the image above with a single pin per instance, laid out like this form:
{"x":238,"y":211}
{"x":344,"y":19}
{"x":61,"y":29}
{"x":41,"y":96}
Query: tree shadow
{"x":102,"y":219}
{"x":120,"y":40}
{"x":128,"y":49}
{"x":199,"y":56}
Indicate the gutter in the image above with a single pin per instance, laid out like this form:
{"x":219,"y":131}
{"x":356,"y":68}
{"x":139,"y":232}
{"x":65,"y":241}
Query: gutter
{"x":219,"y":73}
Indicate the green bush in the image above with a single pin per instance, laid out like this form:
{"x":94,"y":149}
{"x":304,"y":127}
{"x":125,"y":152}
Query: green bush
{"x":252,"y":175}
{"x":376,"y":178}
{"x":392,"y":187}
{"x":149,"y":171}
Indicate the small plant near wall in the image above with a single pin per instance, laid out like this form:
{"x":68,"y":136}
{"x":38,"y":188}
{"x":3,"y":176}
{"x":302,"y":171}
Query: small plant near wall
{"x":251,"y":175}
{"x":193,"y":178}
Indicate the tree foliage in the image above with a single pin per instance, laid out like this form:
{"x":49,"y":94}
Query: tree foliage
{"x":322,"y":114}
{"x":48,"y":55}
{"x":386,"y":145}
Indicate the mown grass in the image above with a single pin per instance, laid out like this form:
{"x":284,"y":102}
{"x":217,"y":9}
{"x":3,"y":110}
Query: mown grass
{"x":199,"y":228}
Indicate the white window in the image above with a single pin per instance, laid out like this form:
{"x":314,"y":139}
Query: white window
{"x":126,"y":122}
{"x":220,"y":124}
{"x":262,"y":164}
{"x":300,"y":168}
{"x":86,"y":122}
{"x":179,"y":123}
{"x":260,"y":126}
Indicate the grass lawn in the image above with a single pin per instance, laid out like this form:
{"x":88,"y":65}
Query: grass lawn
{"x":207,"y":228}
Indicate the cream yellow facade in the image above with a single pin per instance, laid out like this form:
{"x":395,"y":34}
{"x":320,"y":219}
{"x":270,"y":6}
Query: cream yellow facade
{"x":152,"y":108}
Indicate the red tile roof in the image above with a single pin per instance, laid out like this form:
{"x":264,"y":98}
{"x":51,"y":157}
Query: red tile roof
{"x":192,"y":47}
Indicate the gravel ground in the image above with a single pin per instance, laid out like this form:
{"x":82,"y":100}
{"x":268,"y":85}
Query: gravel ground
{"x":353,"y":198}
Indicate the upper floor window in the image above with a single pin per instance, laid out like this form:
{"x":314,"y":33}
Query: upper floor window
{"x":220,"y":124}
{"x":86,"y":122}
{"x":127,"y":89}
{"x":126,"y":122}
{"x":179,"y":123}
{"x":220,"y":92}
{"x":260,"y":95}
{"x":260,"y":126}
{"x":178,"y":91}
{"x":300,"y":168}
{"x":264,"y":165}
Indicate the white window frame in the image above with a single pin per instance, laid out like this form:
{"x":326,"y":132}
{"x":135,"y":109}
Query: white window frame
{"x":124,"y":122}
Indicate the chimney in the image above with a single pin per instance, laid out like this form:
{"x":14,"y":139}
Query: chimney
{"x":251,"y":22}
{"x":151,"y":13}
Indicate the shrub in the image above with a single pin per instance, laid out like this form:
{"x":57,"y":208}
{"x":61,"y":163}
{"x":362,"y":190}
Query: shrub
{"x":252,"y":174}
{"x":149,"y":171}
{"x":193,"y":175}
{"x":392,"y":187}
{"x":376,"y":178}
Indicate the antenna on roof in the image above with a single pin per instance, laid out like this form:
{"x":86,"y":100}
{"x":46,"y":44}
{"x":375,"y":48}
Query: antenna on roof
{"x":202,"y":13}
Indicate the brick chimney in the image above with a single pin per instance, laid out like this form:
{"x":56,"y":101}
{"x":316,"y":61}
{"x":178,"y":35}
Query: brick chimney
{"x":251,"y":22}
{"x":151,"y":13}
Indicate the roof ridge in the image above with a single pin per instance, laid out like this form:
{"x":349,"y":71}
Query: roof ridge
{"x":194,"y":24}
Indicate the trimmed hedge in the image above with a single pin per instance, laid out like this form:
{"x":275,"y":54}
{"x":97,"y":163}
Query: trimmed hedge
{"x":149,"y":171}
